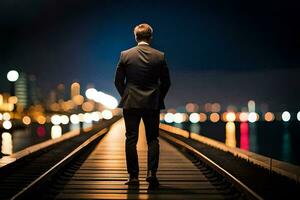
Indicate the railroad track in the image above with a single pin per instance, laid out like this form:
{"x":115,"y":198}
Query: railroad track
{"x":97,"y":170}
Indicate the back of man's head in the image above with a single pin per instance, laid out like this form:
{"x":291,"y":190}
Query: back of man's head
{"x":143,"y":32}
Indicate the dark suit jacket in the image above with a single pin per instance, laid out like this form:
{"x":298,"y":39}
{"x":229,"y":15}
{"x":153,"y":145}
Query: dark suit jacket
{"x":142,"y":78}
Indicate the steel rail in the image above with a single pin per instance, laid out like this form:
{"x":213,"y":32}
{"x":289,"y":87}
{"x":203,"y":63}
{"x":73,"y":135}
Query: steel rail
{"x":232,"y":179}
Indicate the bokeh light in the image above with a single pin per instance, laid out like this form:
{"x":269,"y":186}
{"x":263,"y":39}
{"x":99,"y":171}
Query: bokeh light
{"x":243,"y":116}
{"x":269,"y":116}
{"x":74,"y":119}
{"x":214,"y":117}
{"x":56,"y":131}
{"x":55,"y":119}
{"x":7,"y":124}
{"x":230,"y":117}
{"x":169,"y":118}
{"x":286,"y":116}
{"x":253,"y":117}
{"x":26,"y":120}
{"x":107,"y":114}
{"x":194,"y":118}
{"x":12,"y":75}
{"x":178,"y":118}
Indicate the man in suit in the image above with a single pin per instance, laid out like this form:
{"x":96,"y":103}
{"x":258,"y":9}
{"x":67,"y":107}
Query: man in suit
{"x":142,"y":79}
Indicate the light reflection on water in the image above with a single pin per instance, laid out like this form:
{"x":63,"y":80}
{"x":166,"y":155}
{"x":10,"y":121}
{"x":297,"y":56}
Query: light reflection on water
{"x":56,"y":131}
{"x":6,"y":146}
{"x":230,"y":134}
{"x":244,"y":139}
{"x":279,"y":140}
{"x":18,"y":139}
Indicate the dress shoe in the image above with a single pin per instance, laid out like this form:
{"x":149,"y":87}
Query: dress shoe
{"x":132,"y":181}
{"x":152,"y":179}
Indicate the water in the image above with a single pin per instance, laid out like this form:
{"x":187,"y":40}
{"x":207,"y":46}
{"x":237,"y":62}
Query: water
{"x":18,"y":139}
{"x":279,"y":140}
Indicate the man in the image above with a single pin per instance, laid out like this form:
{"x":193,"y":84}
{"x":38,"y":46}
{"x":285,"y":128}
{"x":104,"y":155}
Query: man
{"x":142,"y":79}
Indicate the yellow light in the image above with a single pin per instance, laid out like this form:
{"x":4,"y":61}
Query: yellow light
{"x":230,"y":134}
{"x":230,"y":117}
{"x":1,"y":99}
{"x":7,"y":145}
{"x":41,"y":119}
{"x":26,"y":120}
{"x":54,"y":107}
{"x":13,"y":100}
{"x":88,"y":106}
{"x":203,"y":117}
{"x":75,"y":89}
{"x":7,"y":125}
{"x":214,"y":117}
{"x":269,"y":117}
{"x":56,"y":131}
{"x":78,"y":99}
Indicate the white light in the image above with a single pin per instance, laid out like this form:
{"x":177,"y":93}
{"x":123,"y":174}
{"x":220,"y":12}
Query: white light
{"x":56,"y":131}
{"x":107,"y":114}
{"x":298,"y":116}
{"x":194,"y":118}
{"x":252,"y":117}
{"x":96,"y":116}
{"x":74,"y":119}
{"x":107,"y":100}
{"x":178,"y":118}
{"x":169,"y":117}
{"x":64,"y":119}
{"x":1,"y":116}
{"x":7,"y":125}
{"x":91,"y":93}
{"x":12,"y":75}
{"x":81,"y":117}
{"x":230,"y":117}
{"x":286,"y":116}
{"x":87,"y":118}
{"x":6,"y":116}
{"x":56,"y":119}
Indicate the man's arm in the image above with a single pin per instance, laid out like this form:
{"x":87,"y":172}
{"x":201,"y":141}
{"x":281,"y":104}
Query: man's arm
{"x":120,"y":77}
{"x":165,"y":82}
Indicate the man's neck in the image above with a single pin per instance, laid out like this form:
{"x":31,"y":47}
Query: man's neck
{"x":143,"y":42}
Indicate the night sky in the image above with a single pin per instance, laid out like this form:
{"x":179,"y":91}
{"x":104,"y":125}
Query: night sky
{"x":217,"y":51}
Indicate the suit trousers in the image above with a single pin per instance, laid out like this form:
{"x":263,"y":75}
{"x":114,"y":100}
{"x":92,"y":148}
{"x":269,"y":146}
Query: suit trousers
{"x":132,"y":119}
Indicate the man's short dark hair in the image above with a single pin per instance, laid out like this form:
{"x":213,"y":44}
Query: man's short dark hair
{"x":143,"y":32}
